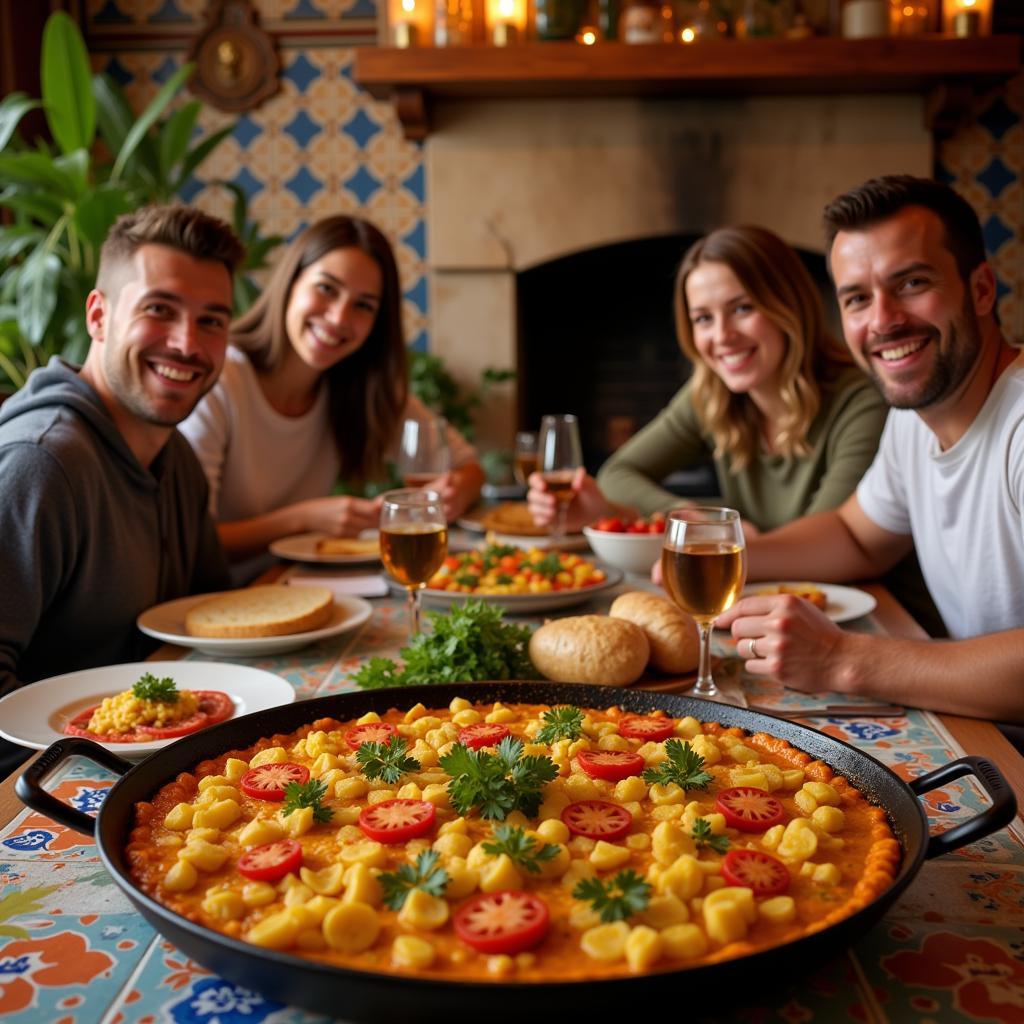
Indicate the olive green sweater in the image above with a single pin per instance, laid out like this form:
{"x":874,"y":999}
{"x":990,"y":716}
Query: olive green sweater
{"x":771,"y":490}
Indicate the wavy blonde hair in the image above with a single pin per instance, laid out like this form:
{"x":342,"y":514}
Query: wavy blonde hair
{"x":780,"y":287}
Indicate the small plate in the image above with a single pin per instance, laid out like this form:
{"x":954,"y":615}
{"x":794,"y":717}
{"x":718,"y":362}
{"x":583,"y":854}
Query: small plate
{"x":167,"y":622}
{"x":844,"y":603}
{"x":522,"y":604}
{"x":301,"y":547}
{"x":570,"y":542}
{"x":34,"y":715}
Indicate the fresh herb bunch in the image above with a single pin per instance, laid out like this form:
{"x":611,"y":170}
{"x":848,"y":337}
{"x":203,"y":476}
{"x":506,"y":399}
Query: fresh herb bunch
{"x":684,"y":767}
{"x":617,"y":899}
{"x":424,"y":874}
{"x":470,"y":643}
{"x":521,"y":848}
{"x":703,"y":836}
{"x":307,"y":794}
{"x":564,"y":723}
{"x":498,"y":783}
{"x":387,"y":761}
{"x":549,"y":566}
{"x":149,"y":687}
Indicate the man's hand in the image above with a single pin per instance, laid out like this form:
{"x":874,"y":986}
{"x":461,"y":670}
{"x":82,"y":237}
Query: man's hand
{"x":340,"y":517}
{"x":787,"y":638}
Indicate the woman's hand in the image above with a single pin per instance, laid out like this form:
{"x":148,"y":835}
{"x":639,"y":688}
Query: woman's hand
{"x":341,"y":516}
{"x":458,"y":488}
{"x":588,"y":503}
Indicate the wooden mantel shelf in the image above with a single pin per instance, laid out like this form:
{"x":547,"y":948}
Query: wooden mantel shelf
{"x":942,"y":67}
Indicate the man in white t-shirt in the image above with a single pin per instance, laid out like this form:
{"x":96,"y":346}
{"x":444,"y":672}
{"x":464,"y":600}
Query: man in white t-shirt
{"x":917,"y":300}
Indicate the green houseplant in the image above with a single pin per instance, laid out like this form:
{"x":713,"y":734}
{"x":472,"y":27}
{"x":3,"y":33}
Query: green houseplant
{"x":62,"y":198}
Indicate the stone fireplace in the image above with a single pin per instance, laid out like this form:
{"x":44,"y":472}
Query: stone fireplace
{"x":517,"y":183}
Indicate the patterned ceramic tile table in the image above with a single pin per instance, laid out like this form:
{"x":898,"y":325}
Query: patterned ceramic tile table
{"x":73,"y":950}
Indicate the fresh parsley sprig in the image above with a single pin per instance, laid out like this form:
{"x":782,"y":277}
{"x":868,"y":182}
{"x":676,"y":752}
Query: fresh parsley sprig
{"x":497,"y":784}
{"x":149,"y":687}
{"x":564,"y":723}
{"x":520,"y":847}
{"x":307,"y":794}
{"x":617,"y":899}
{"x":387,"y":761}
{"x":549,"y":566}
{"x":684,"y":767}
{"x":424,"y":874}
{"x":703,"y":836}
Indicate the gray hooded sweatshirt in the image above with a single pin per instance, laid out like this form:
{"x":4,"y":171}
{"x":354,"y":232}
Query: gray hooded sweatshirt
{"x":89,"y":537}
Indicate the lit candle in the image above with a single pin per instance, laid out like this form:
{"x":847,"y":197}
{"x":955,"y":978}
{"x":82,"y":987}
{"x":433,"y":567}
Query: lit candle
{"x":688,"y":35}
{"x":505,"y":31}
{"x":967,"y":21}
{"x":406,"y":31}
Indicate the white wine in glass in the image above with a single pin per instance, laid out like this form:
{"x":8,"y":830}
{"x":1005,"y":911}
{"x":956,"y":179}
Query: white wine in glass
{"x":524,"y":459}
{"x":423,"y":453}
{"x":559,"y":455}
{"x":704,"y":567}
{"x":413,"y":542}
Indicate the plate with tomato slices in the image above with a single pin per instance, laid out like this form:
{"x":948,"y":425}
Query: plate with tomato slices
{"x":35,"y":715}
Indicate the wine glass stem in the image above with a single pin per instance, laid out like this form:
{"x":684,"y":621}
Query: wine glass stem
{"x":705,"y":684}
{"x":561,"y":512}
{"x":414,"y":612}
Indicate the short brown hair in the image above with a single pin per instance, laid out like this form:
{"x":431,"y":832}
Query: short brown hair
{"x":184,"y":228}
{"x":881,"y":198}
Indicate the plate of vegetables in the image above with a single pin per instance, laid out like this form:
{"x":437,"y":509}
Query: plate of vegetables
{"x":138,"y":707}
{"x":522,"y":580}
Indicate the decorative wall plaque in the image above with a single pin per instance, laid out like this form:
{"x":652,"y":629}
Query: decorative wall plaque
{"x":237,"y":65}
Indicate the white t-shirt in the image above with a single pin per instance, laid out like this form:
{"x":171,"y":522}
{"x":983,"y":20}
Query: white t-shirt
{"x":257,"y":459}
{"x":964,"y":507}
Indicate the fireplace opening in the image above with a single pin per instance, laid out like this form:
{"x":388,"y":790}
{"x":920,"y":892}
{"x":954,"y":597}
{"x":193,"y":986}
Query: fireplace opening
{"x":596,"y":337}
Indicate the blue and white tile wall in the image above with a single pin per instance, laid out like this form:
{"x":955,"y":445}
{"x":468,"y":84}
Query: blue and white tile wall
{"x":320,"y":146}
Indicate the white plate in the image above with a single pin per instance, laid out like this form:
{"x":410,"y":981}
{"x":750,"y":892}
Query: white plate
{"x":34,"y":715}
{"x":301,"y":547}
{"x":167,"y":622}
{"x":844,"y":603}
{"x":570,"y":542}
{"x":521,"y":604}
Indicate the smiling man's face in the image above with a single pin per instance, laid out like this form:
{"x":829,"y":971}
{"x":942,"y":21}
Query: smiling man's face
{"x":908,"y":315}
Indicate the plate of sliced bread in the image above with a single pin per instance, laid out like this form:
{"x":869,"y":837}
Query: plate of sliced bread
{"x":254,"y":620}
{"x":322,"y":548}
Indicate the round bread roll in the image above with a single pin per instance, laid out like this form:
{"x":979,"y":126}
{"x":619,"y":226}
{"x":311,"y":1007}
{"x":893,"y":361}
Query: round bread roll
{"x":590,"y":649}
{"x":672,"y":634}
{"x":272,"y":610}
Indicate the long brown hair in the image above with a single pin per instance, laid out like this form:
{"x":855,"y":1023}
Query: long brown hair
{"x":781,"y":288}
{"x":368,"y":389}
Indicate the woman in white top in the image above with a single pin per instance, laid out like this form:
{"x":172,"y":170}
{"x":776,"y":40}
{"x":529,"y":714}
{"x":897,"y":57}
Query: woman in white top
{"x":315,"y":389}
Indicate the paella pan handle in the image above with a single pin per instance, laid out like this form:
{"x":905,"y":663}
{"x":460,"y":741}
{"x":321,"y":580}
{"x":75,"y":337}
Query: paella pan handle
{"x":29,"y":786}
{"x":1001,"y":813}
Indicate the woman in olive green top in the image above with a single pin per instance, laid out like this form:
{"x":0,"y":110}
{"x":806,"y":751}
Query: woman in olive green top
{"x":790,"y":423}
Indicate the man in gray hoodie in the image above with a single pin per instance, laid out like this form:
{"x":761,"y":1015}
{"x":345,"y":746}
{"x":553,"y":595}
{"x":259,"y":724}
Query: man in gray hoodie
{"x":103,"y":506}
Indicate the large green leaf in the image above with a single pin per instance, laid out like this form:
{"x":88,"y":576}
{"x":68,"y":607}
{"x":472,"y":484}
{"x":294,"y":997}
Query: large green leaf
{"x":34,"y":205}
{"x":13,"y":108}
{"x":175,"y":137}
{"x":149,"y":117}
{"x":116,"y":117}
{"x":39,"y":170}
{"x":37,"y":293}
{"x":67,"y":84}
{"x":197,"y":155}
{"x":76,"y":166}
{"x":16,"y":238}
{"x":95,"y":214}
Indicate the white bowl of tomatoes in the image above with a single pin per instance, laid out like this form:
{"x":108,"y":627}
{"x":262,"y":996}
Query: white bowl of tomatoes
{"x":633,"y":545}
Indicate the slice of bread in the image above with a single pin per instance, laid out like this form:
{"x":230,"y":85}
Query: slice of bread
{"x":348,"y":546}
{"x":261,"y":611}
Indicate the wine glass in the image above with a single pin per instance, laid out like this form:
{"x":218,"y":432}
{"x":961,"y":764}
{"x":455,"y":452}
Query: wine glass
{"x":413,"y":542}
{"x":559,"y":455}
{"x":524,"y":460}
{"x":423,"y":453}
{"x":704,"y":566}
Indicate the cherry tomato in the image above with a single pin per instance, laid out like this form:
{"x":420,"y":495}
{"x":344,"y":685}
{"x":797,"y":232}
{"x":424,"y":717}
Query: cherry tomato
{"x":597,"y":819}
{"x":482,"y":734}
{"x":611,"y":765}
{"x":371,"y":732}
{"x":502,"y":922}
{"x":397,"y":821}
{"x":762,"y":872}
{"x":637,"y":526}
{"x":610,"y":524}
{"x":749,"y":809}
{"x":656,"y":527}
{"x":272,"y":861}
{"x":267,"y":781}
{"x":643,"y":727}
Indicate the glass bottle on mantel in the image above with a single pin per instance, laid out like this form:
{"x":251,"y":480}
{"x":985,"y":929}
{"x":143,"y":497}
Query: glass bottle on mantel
{"x":557,"y":19}
{"x":453,"y":22}
{"x":608,"y":18}
{"x":641,"y":22}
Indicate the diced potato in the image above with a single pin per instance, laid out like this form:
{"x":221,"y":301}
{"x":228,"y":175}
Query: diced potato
{"x":770,"y":840}
{"x":828,"y":819}
{"x":412,"y":951}
{"x":278,"y":931}
{"x":684,"y":942}
{"x":628,"y":790}
{"x":643,"y":948}
{"x":361,"y":886}
{"x":469,"y":716}
{"x":437,"y":794}
{"x":209,"y":835}
{"x":351,"y":789}
{"x":667,"y":812}
{"x":683,"y":878}
{"x":823,"y":793}
{"x":653,"y":753}
{"x":202,"y":855}
{"x":668,"y":793}
{"x":459,"y":704}
{"x":792,"y":777}
{"x":181,"y":877}
{"x":368,"y":718}
{"x":664,"y":911}
{"x":576,"y":872}
{"x":351,"y":927}
{"x":326,"y":762}
{"x":421,"y":910}
{"x":724,"y":922}
{"x":500,"y":874}
{"x":805,"y":802}
{"x":222,"y":814}
{"x":452,"y":844}
{"x":613,"y":741}
{"x":500,"y":715}
{"x":772,"y":776}
{"x":553,"y":804}
{"x":552,"y":831}
{"x":748,"y":777}
{"x":578,"y":746}
{"x":583,"y":916}
{"x":581,"y":846}
{"x":457,"y":825}
{"x":501,"y":965}
{"x":581,"y":787}
{"x":235,"y":768}
{"x":707,"y":748}
{"x":738,"y":894}
{"x":669,"y":841}
{"x":605,"y":942}
{"x":368,"y":852}
{"x":327,"y":881}
{"x":179,"y":817}
{"x":742,"y":754}
{"x":272,"y":755}
{"x":258,"y":894}
{"x":557,"y":865}
{"x":298,"y":822}
{"x":827,"y":874}
{"x":608,"y":856}
{"x":297,"y":895}
{"x":799,"y":841}
{"x":688,"y":727}
{"x":778,"y":909}
{"x":638,"y":841}
{"x":462,"y":879}
{"x":410,"y":791}
{"x":378,"y":796}
{"x":416,"y":711}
